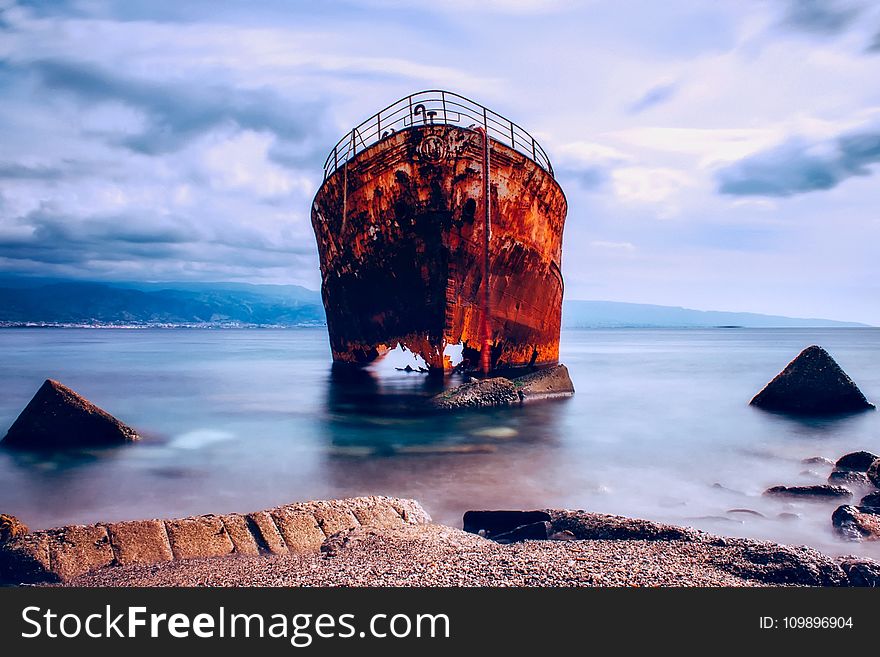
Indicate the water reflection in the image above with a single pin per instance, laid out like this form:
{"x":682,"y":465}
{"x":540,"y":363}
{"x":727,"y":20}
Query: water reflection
{"x":812,"y":426}
{"x":381,"y":436}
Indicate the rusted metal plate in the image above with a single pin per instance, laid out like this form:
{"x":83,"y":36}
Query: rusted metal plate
{"x":400,"y":234}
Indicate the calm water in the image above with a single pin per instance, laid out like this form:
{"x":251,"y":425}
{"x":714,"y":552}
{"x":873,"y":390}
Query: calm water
{"x":238,"y":420}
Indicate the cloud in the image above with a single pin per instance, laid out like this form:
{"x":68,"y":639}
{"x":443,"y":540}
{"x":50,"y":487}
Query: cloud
{"x":711,"y":145}
{"x":613,"y":246}
{"x":177,"y":113}
{"x":874,"y":46}
{"x":588,"y":164}
{"x":799,"y":166}
{"x":654,"y":96}
{"x":825,"y":17}
{"x":642,"y":184}
{"x":15,"y":171}
{"x":141,"y":247}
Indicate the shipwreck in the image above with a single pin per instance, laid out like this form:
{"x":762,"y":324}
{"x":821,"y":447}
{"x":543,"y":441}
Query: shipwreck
{"x":439,"y":223}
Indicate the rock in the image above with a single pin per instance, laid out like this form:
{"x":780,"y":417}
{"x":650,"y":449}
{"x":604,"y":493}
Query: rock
{"x":77,"y":549}
{"x":26,"y":559}
{"x":785,"y":564}
{"x":550,"y":383}
{"x":58,"y":417}
{"x":874,"y":473}
{"x":857,"y":522}
{"x":824,"y":491}
{"x":871,"y":499}
{"x":812,"y":384}
{"x":267,"y":535}
{"x":239,"y":529}
{"x":748,"y":512}
{"x":817,"y":460}
{"x":198,"y":537}
{"x":858,"y":479}
{"x":139,"y":542}
{"x":299,"y":528}
{"x":375,"y":512}
{"x":483,"y":393}
{"x":62,"y":554}
{"x":410,"y":510}
{"x":603,"y":527}
{"x":564,"y":535}
{"x":10,"y":528}
{"x":493,"y":523}
{"x":536,"y":531}
{"x":333,"y":517}
{"x":861,"y":571}
{"x":856,"y":462}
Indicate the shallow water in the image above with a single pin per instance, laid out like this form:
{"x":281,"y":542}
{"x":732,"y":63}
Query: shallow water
{"x":238,"y":420}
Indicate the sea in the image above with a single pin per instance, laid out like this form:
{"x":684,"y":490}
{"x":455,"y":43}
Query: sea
{"x":236,"y":420}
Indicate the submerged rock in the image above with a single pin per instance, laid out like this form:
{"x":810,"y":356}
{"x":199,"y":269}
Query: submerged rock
{"x":817,"y":460}
{"x":857,"y":522}
{"x":856,"y":461}
{"x":812,"y":384}
{"x":59,"y":417}
{"x":825,"y":491}
{"x":748,"y":512}
{"x":871,"y":499}
{"x":496,"y":391}
{"x":11,"y":527}
{"x":549,"y":383}
{"x":859,"y":479}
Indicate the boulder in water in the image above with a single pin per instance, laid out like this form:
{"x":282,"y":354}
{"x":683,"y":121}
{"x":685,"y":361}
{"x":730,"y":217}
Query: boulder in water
{"x":874,"y":473}
{"x":871,"y":499}
{"x":857,"y":522}
{"x":549,"y":383}
{"x":846,"y":478}
{"x":825,"y":491}
{"x":856,"y":461}
{"x":812,"y":384}
{"x":57,"y":417}
{"x":496,"y":391}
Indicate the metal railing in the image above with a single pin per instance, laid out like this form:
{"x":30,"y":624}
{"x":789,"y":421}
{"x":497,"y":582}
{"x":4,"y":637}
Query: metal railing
{"x":434,"y":107}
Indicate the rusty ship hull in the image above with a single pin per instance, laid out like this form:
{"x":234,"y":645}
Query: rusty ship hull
{"x":401,"y":238}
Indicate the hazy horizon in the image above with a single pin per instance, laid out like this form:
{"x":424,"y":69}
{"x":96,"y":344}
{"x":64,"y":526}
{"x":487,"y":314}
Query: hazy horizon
{"x":7,"y":281}
{"x":714,"y":155}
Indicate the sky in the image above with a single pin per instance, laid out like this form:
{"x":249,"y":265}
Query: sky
{"x":717,"y":155}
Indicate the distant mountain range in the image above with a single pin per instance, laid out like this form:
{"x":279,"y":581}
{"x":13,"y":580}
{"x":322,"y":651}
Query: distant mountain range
{"x":73,"y":302}
{"x":613,"y":314}
{"x":28,"y":301}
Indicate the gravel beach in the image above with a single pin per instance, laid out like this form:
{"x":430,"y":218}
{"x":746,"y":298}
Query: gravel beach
{"x":436,"y":555}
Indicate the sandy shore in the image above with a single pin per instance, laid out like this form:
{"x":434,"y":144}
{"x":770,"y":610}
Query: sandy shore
{"x":436,"y":555}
